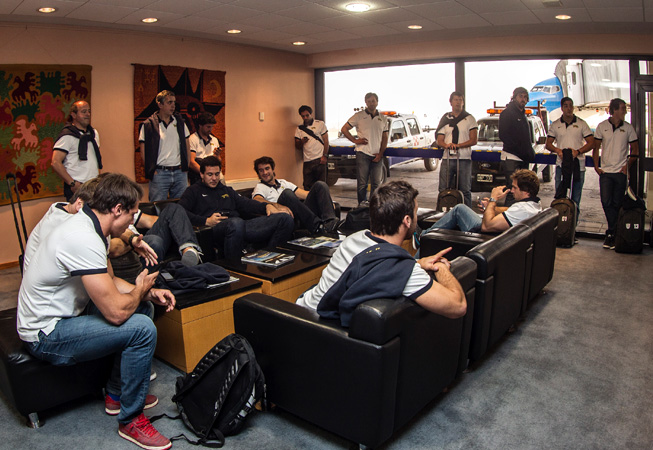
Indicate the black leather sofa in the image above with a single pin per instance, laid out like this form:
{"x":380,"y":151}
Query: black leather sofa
{"x":32,"y":386}
{"x":366,"y":381}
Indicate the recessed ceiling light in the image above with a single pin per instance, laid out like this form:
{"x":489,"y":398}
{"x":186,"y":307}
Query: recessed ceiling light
{"x":149,"y":20}
{"x":357,"y":7}
{"x":47,"y":10}
{"x":563,"y":17}
{"x":415,"y":27}
{"x":234,"y":31}
{"x":299,"y":43}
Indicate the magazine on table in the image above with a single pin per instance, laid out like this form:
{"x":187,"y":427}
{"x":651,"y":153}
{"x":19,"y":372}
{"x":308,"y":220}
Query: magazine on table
{"x":267,"y":258}
{"x":316,"y":242}
{"x":232,"y":279}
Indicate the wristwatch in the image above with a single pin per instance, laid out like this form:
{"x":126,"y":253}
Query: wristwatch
{"x":492,"y":199}
{"x":72,"y":183}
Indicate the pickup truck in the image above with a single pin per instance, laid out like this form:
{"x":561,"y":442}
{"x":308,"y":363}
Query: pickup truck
{"x":487,"y":174}
{"x":405,"y":132}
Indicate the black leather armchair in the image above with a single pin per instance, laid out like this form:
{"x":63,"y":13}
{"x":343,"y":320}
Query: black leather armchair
{"x":31,"y":385}
{"x":543,"y":226}
{"x":363,"y":382}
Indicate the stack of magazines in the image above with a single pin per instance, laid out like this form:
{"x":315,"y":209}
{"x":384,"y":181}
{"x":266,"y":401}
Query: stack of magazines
{"x":267,"y":258}
{"x":316,"y":242}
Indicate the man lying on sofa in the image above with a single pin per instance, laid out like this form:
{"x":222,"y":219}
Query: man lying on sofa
{"x":371,"y":264}
{"x":525,"y":186}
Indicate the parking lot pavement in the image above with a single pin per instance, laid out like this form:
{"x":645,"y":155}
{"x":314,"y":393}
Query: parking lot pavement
{"x":592,"y":219}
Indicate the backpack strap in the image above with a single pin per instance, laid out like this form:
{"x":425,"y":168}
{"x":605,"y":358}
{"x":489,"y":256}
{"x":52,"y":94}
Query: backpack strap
{"x":308,"y":131}
{"x":204,"y":441}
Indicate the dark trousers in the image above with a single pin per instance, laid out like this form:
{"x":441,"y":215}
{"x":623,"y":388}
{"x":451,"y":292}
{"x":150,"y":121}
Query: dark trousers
{"x":235,"y":233}
{"x":508,"y":167}
{"x":317,"y":207}
{"x":313,"y":172}
{"x":613,"y":188}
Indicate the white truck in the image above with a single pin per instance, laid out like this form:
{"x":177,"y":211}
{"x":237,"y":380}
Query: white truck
{"x":405,"y":132}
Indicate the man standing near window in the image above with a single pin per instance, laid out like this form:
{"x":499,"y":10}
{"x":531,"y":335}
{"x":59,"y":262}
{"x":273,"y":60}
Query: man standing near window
{"x":312,"y":137}
{"x":372,"y":130}
{"x":457,"y":132}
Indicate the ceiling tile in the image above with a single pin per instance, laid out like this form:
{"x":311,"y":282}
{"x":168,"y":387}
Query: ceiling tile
{"x":271,"y":36}
{"x":196,"y":23}
{"x":391,"y":15}
{"x":303,"y":28}
{"x":620,"y":14}
{"x":511,"y":18}
{"x":343,"y":22}
{"x":128,"y":3}
{"x":427,"y":25}
{"x":100,"y":13}
{"x":185,"y":7}
{"x":442,"y":9}
{"x":30,"y":7}
{"x":590,"y":4}
{"x":136,"y":17}
{"x":466,"y":21}
{"x":577,"y":15}
{"x":269,"y":5}
{"x":7,"y":6}
{"x":537,"y":4}
{"x":488,"y":6}
{"x":331,"y":36}
{"x":230,"y":13}
{"x":373,"y":31}
{"x":414,"y":2}
{"x":270,"y":21}
{"x":310,"y":12}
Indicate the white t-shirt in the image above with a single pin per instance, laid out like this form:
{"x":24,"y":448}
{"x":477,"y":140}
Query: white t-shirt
{"x":272,"y":193}
{"x":521,"y":210}
{"x":79,"y":170}
{"x":313,"y":149}
{"x":350,"y":247}
{"x":464,"y":127}
{"x":52,"y":286}
{"x":371,"y":128}
{"x":570,"y":136}
{"x":52,"y":218}
{"x":615,"y":144}
{"x":169,"y":153}
{"x":203,"y":149}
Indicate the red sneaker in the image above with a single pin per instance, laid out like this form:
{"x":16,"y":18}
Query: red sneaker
{"x":141,"y":432}
{"x":112,"y":407}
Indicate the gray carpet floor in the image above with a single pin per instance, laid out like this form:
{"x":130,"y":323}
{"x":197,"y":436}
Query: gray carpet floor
{"x":576,"y":374}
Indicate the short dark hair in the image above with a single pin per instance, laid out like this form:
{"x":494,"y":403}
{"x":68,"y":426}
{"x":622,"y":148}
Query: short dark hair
{"x":263,"y":160}
{"x":210,"y":161}
{"x":527,"y":181}
{"x":115,"y":189}
{"x":161,"y":96}
{"x":205,"y":118}
{"x":371,"y":94}
{"x":456,"y":94}
{"x":87,"y":189}
{"x":305,"y":108}
{"x":615,"y":104}
{"x":389,"y":204}
{"x":566,"y":99}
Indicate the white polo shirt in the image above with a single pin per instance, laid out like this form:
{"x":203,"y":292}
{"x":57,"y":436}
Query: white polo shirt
{"x":464,"y":127}
{"x":79,"y":170}
{"x":169,"y":153}
{"x":52,"y":218}
{"x":571,"y":136}
{"x":615,"y":144}
{"x":201,"y":148}
{"x":371,"y":128}
{"x":52,"y":286}
{"x":521,"y":210}
{"x":272,"y":193}
{"x":313,"y":149}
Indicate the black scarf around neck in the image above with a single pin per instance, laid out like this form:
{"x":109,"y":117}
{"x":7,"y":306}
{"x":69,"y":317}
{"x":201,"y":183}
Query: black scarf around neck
{"x":449,"y":119}
{"x":84,"y":139}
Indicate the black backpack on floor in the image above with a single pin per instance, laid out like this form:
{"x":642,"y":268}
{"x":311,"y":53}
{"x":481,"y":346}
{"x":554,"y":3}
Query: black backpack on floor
{"x":216,"y":397}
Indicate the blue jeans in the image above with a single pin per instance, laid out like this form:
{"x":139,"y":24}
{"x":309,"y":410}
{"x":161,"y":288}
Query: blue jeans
{"x":173,"y":225}
{"x":164,"y":182}
{"x":235,"y":233}
{"x":459,"y":217}
{"x":367,"y":170}
{"x":576,"y":187}
{"x":89,"y":337}
{"x":613,"y":188}
{"x":464,"y":177}
{"x":317,"y":207}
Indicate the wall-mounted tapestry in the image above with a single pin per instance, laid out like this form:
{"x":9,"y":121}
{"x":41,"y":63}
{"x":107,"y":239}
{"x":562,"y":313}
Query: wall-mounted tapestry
{"x":196,"y":91}
{"x":34,"y":103}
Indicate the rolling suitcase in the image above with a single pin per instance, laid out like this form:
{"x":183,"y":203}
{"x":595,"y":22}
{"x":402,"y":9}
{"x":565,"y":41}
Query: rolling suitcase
{"x":566,"y":231}
{"x":449,"y":198}
{"x":10,"y":194}
{"x":629,"y":235}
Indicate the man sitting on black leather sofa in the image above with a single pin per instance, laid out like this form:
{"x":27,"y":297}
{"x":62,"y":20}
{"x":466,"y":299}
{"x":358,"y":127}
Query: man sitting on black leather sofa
{"x":371,"y":264}
{"x":525,"y":187}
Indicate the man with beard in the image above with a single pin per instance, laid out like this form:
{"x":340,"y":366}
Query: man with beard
{"x":371,"y":264}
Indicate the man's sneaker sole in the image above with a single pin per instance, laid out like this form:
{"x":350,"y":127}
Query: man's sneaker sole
{"x":148,"y":447}
{"x":114,"y":408}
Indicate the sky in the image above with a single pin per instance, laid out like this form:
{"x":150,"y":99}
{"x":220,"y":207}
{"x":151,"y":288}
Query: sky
{"x":424,"y":89}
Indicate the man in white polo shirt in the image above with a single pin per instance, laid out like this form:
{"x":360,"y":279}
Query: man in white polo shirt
{"x":573,"y":133}
{"x":372,"y":130}
{"x":313,"y":139}
{"x":202,"y":144}
{"x":76,"y":155}
{"x":617,"y":137}
{"x":164,"y":148}
{"x":457,"y":132}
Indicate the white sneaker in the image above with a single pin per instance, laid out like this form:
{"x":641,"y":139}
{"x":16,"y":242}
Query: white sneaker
{"x":190,"y":257}
{"x":152,"y":375}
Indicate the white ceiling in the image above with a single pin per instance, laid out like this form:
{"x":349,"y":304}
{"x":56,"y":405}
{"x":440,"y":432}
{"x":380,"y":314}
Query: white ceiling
{"x":325,"y":25}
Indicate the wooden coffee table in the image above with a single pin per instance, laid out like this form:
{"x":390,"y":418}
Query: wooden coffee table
{"x":288,"y":281}
{"x":199,"y":321}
